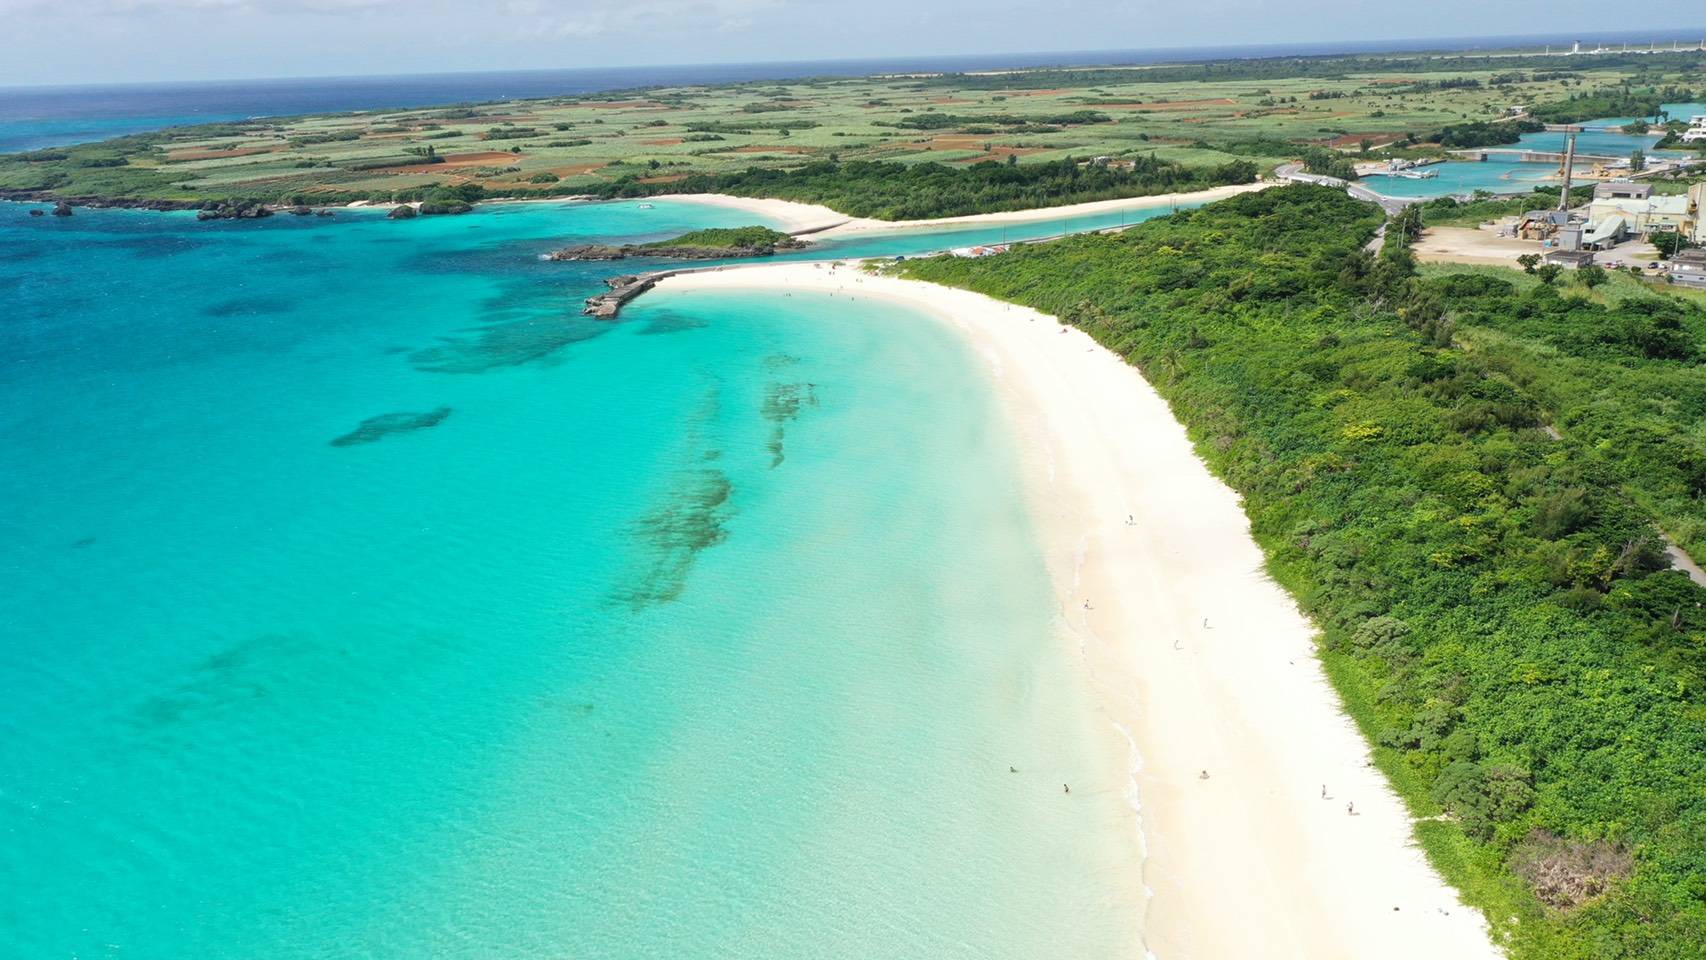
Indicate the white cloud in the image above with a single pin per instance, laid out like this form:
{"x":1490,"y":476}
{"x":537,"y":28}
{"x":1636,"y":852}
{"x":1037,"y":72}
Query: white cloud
{"x":572,"y":18}
{"x":73,"y":10}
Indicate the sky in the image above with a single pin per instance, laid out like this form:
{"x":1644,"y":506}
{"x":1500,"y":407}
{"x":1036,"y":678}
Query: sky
{"x":102,"y":41}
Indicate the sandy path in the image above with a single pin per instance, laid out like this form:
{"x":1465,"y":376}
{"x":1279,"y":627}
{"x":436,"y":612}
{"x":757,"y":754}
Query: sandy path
{"x":1189,"y":647}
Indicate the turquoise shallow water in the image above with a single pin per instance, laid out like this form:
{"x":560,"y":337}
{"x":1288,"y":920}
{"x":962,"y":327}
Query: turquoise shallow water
{"x":1600,"y":138}
{"x":362,"y":600}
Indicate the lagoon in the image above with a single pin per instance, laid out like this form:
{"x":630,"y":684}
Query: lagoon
{"x":1456,"y":177}
{"x":363,"y":599}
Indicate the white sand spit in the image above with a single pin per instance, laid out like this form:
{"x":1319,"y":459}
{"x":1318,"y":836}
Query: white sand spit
{"x":792,"y":216}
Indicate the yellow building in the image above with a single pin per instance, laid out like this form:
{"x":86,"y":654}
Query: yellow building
{"x":1642,"y":217}
{"x":1697,"y":200}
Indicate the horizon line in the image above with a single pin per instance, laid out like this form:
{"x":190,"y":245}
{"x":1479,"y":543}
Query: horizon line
{"x":1300,"y":48}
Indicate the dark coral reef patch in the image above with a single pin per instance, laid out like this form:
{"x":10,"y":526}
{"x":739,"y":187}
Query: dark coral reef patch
{"x":378,"y":428}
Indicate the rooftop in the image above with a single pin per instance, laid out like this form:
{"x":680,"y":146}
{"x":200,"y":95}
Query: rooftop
{"x":1622,"y":188}
{"x":1673,"y":205}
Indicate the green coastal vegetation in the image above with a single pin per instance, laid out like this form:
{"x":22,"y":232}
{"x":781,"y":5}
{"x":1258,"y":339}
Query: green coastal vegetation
{"x":1465,"y":477}
{"x":716,"y":243}
{"x":1593,"y":104}
{"x":1482,"y":207}
{"x":724,"y":238}
{"x":886,"y":147}
{"x":897,"y":191}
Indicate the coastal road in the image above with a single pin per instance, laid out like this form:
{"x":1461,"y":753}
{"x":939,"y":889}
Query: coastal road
{"x":1294,"y":171}
{"x":1392,"y":205}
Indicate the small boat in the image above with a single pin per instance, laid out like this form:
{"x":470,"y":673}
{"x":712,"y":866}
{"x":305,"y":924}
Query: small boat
{"x":644,"y":206}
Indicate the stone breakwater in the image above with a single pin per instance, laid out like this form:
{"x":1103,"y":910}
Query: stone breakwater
{"x":606,"y":306}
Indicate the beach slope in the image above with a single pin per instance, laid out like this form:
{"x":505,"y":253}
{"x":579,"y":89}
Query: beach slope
{"x":1267,"y":831}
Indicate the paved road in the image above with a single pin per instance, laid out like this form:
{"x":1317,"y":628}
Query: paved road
{"x":1294,"y":171}
{"x":1379,"y":239}
{"x":1392,"y":205}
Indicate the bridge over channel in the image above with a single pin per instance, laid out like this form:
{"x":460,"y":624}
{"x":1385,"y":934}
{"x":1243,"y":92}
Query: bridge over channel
{"x":1531,"y":156}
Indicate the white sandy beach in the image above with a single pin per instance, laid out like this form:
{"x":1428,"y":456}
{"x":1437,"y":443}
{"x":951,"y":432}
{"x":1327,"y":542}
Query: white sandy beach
{"x":792,"y":216}
{"x":1192,"y":649}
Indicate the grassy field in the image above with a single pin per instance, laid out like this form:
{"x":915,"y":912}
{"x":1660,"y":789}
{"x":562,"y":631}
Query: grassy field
{"x":572,"y":145}
{"x":1617,"y":287}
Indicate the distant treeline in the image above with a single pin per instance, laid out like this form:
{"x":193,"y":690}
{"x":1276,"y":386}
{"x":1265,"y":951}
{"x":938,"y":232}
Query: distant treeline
{"x":1598,"y":104}
{"x":898,"y":191}
{"x":1326,"y":163}
{"x":941,"y":121}
{"x":1494,"y":601}
{"x":1481,"y":133}
{"x":753,"y":126}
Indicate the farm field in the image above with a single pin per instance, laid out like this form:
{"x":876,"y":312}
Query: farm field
{"x":1196,"y":116}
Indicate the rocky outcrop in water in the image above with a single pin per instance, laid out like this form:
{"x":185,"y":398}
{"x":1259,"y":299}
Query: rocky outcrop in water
{"x":233,"y":210}
{"x":62,"y":209}
{"x":589,"y":251}
{"x":598,"y":251}
{"x":402,"y":212}
{"x":38,"y":212}
{"x":100,"y":203}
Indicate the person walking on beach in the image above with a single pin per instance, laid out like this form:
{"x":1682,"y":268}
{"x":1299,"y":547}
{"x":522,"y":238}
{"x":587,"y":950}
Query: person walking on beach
{"x":1350,"y":809}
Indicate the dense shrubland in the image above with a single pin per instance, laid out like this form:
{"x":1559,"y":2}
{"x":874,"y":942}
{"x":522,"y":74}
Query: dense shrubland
{"x":898,"y":191}
{"x":1611,"y":102}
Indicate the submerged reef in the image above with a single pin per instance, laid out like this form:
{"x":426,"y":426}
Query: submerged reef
{"x":378,"y":428}
{"x":694,"y":519}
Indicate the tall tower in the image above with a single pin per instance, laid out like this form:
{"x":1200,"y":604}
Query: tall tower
{"x":1569,"y":168}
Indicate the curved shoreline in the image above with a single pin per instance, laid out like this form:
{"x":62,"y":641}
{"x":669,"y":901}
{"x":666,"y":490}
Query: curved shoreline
{"x":1192,"y":652}
{"x":790,"y":216}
